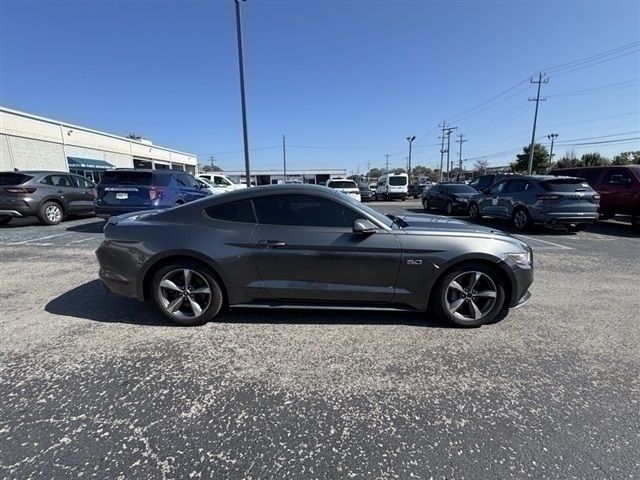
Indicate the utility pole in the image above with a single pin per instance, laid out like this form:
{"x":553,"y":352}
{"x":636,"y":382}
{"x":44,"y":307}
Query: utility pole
{"x":444,"y":126}
{"x":368,"y":168}
{"x":541,"y":79}
{"x":387,"y":167}
{"x":211,"y":160}
{"x":449,"y":130}
{"x":284,"y":159}
{"x":552,"y":137}
{"x":410,"y":139}
{"x":460,"y":154}
{"x":245,"y":134}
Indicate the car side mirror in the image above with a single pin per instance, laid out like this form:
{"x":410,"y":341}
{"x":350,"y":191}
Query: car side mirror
{"x":362,"y":226}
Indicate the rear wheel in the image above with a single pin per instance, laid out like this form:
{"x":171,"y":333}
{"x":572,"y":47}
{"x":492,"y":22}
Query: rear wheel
{"x":4,"y":219}
{"x":474,"y":211}
{"x":521,"y":219}
{"x":187,"y":293}
{"x":449,"y":208}
{"x":50,"y":213}
{"x":425,"y":204}
{"x":470,"y":295}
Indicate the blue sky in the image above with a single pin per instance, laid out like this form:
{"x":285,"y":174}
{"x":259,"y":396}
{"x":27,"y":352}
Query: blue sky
{"x":345,"y":81}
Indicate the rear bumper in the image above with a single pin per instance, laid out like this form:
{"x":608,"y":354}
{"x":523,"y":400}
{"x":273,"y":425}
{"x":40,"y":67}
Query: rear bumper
{"x":10,"y":213}
{"x":400,"y":195}
{"x":108,"y":211}
{"x":567,"y":218}
{"x":113,"y":276}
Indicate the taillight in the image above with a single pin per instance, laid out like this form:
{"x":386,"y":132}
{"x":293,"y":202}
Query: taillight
{"x":156,"y":193}
{"x":19,"y":189}
{"x":547,"y":196}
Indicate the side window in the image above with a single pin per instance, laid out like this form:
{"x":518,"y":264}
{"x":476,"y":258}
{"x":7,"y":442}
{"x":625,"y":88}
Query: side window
{"x":191,"y":180}
{"x":182,"y":180}
{"x":240,"y":211}
{"x":497,"y":188}
{"x":303,"y":210}
{"x":82,"y":182}
{"x":591,"y":176}
{"x":617,"y":176}
{"x":58,"y":181}
{"x":221,"y":181}
{"x":515,"y":186}
{"x":484,"y":182}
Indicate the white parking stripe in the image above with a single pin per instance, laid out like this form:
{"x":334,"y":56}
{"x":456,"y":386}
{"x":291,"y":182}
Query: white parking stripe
{"x":83,"y":240}
{"x":38,"y":239}
{"x":557,"y":245}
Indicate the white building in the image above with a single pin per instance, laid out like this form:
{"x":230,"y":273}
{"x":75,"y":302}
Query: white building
{"x":271,"y":177}
{"x":30,"y":142}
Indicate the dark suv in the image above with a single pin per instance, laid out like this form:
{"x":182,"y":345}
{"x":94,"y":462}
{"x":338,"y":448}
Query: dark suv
{"x":485,"y":181}
{"x":547,"y":200}
{"x":618,"y":186}
{"x":50,"y":196}
{"x":127,"y":190}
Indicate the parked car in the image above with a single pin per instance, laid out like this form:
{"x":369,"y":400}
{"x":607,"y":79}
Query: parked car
{"x":348,"y":187}
{"x":305,"y":245}
{"x":485,"y":181}
{"x":450,"y":197}
{"x":618,"y":186}
{"x":222,"y":181}
{"x":48,"y":195}
{"x":546,"y":200}
{"x":416,"y":190}
{"x":210,"y":187}
{"x":127,"y":190}
{"x":373,"y":186}
{"x":393,"y":185}
{"x":366,"y":194}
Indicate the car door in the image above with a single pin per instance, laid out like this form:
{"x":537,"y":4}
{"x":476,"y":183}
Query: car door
{"x":85,"y":193}
{"x":489,"y":203}
{"x":64,"y":189}
{"x":197,"y":191}
{"x":185,"y":190}
{"x":617,"y":191}
{"x":305,"y":250}
{"x":433,"y":196}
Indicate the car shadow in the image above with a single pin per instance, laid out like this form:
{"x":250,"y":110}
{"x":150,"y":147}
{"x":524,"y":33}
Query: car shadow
{"x":96,"y":226}
{"x":91,"y":301}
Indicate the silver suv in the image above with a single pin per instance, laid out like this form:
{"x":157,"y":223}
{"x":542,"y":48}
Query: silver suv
{"x":546,"y":200}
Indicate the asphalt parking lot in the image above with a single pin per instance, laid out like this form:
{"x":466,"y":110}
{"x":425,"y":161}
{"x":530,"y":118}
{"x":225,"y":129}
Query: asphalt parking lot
{"x":99,"y":386}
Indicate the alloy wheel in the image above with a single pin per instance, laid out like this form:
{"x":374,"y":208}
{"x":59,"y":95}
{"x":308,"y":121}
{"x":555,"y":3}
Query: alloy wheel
{"x":471,"y":296}
{"x":473,"y":211}
{"x":184,"y":294}
{"x":449,"y":208}
{"x":520,"y":219}
{"x":53,"y":213}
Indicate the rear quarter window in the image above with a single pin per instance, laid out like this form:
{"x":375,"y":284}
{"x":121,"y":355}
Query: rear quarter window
{"x":14,"y":178}
{"x":240,"y":211}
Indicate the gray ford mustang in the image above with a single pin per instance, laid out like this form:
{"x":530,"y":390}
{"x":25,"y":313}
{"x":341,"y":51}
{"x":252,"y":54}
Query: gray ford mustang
{"x":310,"y":246}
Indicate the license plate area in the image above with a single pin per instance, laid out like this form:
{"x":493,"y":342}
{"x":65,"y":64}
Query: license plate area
{"x":122,"y":196}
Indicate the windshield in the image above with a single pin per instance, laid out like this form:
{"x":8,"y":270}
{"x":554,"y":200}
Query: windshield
{"x":461,"y":188}
{"x":342,"y":184}
{"x":400,"y":180}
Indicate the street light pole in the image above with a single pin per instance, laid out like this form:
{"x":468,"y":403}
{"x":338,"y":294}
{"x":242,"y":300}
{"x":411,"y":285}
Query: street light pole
{"x":245,"y":134}
{"x":284,"y":159}
{"x":552,"y":137}
{"x":410,"y":140}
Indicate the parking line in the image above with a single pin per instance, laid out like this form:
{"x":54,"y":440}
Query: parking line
{"x":38,"y":239}
{"x":83,"y":240}
{"x":557,"y":245}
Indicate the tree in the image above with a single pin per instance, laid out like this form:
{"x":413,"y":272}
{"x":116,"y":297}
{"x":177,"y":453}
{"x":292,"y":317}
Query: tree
{"x":375,"y":173}
{"x":481,"y":166}
{"x":540,"y":159}
{"x":211,"y":168}
{"x":420,"y":171}
{"x":569,"y":159}
{"x":627,"y":158}
{"x":593,"y":160}
{"x":399,"y":170}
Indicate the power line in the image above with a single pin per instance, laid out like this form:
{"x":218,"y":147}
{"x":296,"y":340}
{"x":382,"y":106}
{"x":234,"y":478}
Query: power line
{"x":611,"y":86}
{"x":620,"y":140}
{"x":597,"y":58}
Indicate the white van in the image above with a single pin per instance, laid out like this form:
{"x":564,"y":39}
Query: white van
{"x":393,"y":185}
{"x":222,"y":181}
{"x":345,"y":186}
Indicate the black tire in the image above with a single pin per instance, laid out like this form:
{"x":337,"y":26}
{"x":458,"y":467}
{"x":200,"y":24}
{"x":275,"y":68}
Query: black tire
{"x":204,"y":276}
{"x":442,"y":296}
{"x":521,"y":219}
{"x":51,"y":213}
{"x":449,"y":208}
{"x":635,"y":220}
{"x":425,"y":204}
{"x":374,"y":197}
{"x":4,"y":219}
{"x":606,"y":215}
{"x":403,"y":198}
{"x":474,"y":211}
{"x":578,"y":228}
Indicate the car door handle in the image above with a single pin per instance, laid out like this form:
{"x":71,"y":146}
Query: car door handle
{"x":271,"y":243}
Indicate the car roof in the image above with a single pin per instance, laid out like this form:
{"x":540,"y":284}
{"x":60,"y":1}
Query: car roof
{"x":166,"y":171}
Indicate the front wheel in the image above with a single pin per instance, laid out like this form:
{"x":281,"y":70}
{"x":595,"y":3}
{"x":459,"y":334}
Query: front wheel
{"x":474,"y":212}
{"x":4,"y":219}
{"x":425,"y":205}
{"x":449,"y":208}
{"x":50,"y":213}
{"x":521,"y":219}
{"x":187,"y":293}
{"x":471,"y":295}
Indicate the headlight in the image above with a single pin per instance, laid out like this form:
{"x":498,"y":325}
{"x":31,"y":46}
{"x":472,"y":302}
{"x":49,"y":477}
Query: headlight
{"x":460,"y":199}
{"x":523,"y":259}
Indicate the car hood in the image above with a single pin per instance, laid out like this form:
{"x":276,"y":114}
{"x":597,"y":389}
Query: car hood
{"x":464,"y":194}
{"x":435,"y":222}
